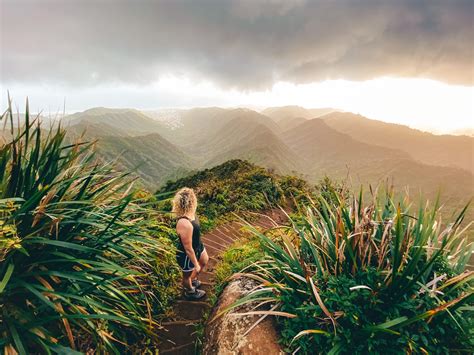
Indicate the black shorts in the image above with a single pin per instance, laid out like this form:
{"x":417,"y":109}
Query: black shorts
{"x":183,"y":259}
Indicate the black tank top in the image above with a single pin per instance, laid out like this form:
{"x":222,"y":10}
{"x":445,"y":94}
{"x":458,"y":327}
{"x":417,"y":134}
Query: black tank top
{"x":197,"y":244}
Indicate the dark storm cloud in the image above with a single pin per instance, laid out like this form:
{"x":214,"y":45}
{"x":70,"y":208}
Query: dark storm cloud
{"x":244,"y":44}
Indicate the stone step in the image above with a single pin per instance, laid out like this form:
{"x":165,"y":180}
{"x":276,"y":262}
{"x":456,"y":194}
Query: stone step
{"x":173,"y":333}
{"x":230,"y":235}
{"x":265,"y":226}
{"x":178,"y":336}
{"x":207,"y":286}
{"x":265,"y":222}
{"x":212,"y":251}
{"x":185,"y":349}
{"x":218,"y":238}
{"x":216,"y":243}
{"x":235,"y":229}
{"x":190,"y":310}
{"x":219,"y":242}
{"x":211,"y":264}
{"x":207,"y":276}
{"x":225,"y":236}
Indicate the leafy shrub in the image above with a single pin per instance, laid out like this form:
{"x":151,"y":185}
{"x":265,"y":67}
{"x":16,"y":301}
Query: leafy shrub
{"x":81,"y":265}
{"x":369,"y":279}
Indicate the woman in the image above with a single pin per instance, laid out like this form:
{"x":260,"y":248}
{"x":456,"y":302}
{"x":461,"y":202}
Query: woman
{"x":191,"y":256}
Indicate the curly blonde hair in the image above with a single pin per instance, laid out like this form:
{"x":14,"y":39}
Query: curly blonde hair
{"x":184,"y":202}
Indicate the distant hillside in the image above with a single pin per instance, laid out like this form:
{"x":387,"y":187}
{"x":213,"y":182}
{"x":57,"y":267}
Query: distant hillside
{"x":338,"y":155}
{"x":90,"y":129}
{"x":464,"y":132}
{"x":210,"y":136}
{"x":197,"y":123}
{"x":151,"y":157}
{"x":327,"y":151}
{"x":288,"y":117}
{"x":201,"y":124}
{"x":170,"y":117}
{"x":443,"y":150}
{"x":125,"y":122}
{"x":283,"y":112}
{"x":46,"y":120}
{"x":251,"y":140}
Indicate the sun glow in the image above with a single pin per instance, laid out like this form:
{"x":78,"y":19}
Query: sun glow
{"x":419,"y":103}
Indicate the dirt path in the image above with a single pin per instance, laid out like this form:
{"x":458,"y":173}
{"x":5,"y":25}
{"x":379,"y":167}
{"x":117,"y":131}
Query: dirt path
{"x":178,"y":335}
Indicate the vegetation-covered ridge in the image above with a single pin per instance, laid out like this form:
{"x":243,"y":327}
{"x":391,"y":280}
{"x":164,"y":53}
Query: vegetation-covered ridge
{"x":353,"y":277}
{"x":238,"y":186}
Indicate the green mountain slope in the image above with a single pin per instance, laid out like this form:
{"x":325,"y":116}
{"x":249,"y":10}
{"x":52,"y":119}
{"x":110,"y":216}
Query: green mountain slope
{"x":288,"y":117}
{"x":203,"y":124}
{"x":327,"y":151}
{"x":135,"y":140}
{"x":255,"y":143}
{"x":126,"y":122}
{"x":444,"y":150}
{"x":244,"y":134}
{"x":90,"y":129}
{"x":151,"y":157}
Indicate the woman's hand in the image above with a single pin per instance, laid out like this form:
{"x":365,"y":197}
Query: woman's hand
{"x":197,"y":268}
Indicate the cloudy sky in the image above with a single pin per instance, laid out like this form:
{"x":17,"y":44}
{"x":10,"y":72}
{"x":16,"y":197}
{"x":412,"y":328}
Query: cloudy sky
{"x":400,"y":61}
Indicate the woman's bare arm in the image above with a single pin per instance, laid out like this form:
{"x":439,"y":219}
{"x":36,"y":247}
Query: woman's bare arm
{"x":185,"y":232}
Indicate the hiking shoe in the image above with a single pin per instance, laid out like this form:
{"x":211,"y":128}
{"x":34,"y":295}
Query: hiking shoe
{"x":196,"y":283}
{"x":194,"y":294}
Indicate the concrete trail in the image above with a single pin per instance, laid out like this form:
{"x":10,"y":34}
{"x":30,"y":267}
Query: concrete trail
{"x":178,"y":335}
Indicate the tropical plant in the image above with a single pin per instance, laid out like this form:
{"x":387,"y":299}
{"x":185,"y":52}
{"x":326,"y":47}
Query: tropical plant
{"x":79,"y":260}
{"x":353,"y":278}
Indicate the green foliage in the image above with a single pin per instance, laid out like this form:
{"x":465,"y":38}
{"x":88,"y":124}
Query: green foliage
{"x":236,"y":186}
{"x":326,"y":189}
{"x":81,"y":264}
{"x":356,"y":278}
{"x":236,"y":258}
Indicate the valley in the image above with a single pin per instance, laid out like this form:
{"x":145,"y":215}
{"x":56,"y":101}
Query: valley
{"x":310,"y":144}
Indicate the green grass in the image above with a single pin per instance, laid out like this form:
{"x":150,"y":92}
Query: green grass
{"x":235,"y":259}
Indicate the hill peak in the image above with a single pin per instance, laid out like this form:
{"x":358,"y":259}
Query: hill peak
{"x":290,"y":112}
{"x":441,"y":150}
{"x":105,"y":110}
{"x":111,"y":121}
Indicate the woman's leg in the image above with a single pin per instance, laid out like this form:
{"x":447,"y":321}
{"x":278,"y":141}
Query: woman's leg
{"x":187,"y":280}
{"x":203,"y":260}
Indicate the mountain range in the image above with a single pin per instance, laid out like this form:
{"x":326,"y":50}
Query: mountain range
{"x":307,"y":143}
{"x":442,"y":150}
